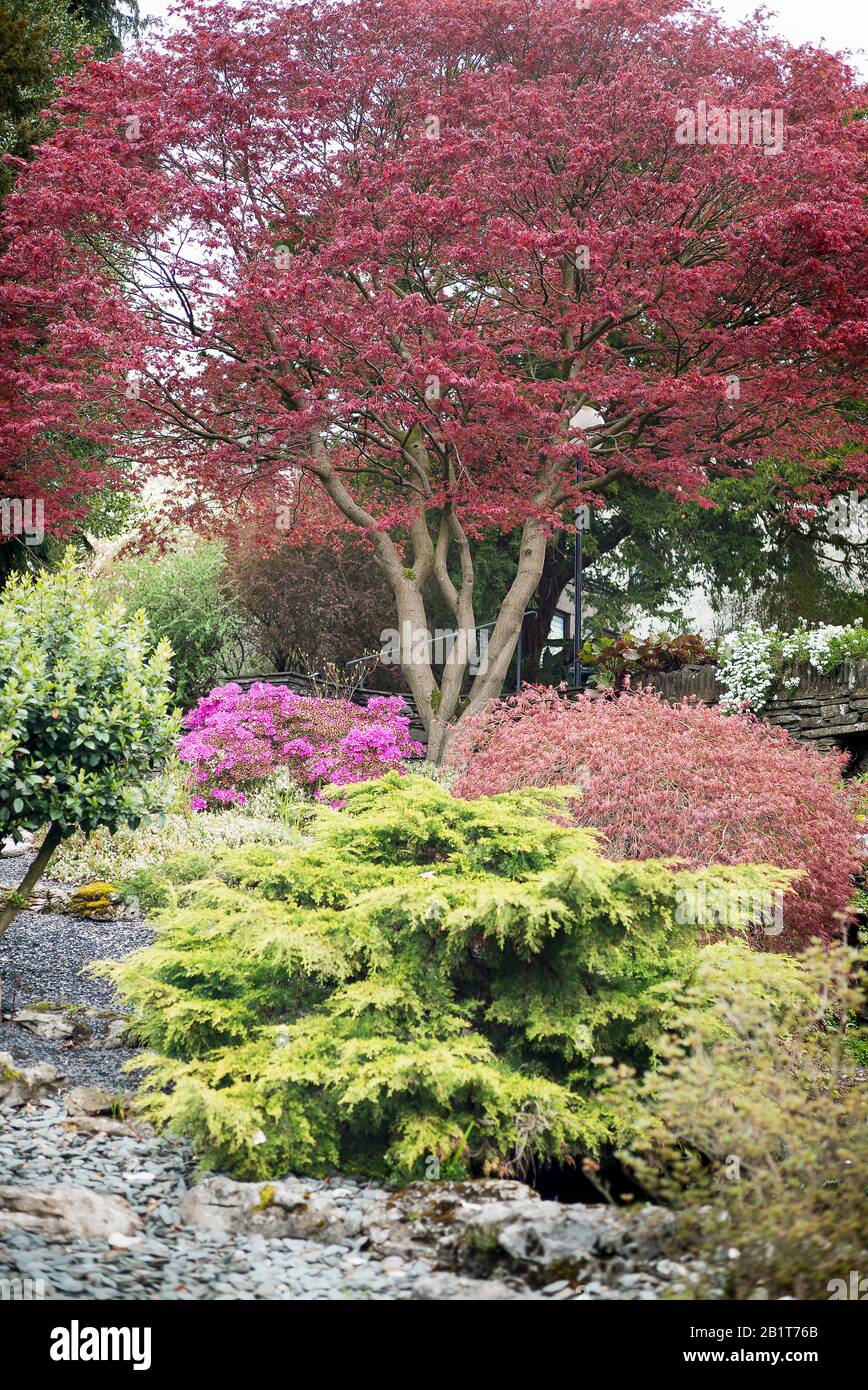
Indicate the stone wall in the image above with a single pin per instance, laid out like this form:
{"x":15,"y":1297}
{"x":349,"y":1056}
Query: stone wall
{"x":830,"y":711}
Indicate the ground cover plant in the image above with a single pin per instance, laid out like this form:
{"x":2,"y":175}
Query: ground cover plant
{"x":430,"y":976}
{"x":685,"y":780}
{"x":138,"y":862}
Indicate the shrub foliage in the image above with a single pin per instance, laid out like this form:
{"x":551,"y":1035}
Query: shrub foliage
{"x":768,"y":1173}
{"x":685,"y":780}
{"x":84,"y":713}
{"x":235,"y":739}
{"x":430,"y":976}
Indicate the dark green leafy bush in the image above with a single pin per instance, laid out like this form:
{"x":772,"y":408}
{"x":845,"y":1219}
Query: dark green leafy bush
{"x":428,"y":969}
{"x":85,"y":713}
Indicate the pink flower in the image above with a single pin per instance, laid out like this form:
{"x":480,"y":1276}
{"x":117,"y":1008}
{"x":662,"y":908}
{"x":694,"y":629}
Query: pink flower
{"x":235,"y":738}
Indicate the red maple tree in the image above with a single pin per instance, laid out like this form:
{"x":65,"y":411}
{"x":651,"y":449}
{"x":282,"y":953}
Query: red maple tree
{"x":363,"y":265}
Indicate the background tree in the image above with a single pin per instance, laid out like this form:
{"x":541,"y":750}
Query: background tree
{"x":376,"y":259}
{"x":187,"y":597}
{"x":311,"y":605}
{"x":42,"y":42}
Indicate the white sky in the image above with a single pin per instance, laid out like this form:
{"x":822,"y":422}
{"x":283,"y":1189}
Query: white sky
{"x":835,"y":23}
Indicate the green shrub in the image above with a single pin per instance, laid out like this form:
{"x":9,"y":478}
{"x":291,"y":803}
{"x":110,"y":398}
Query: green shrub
{"x":148,"y":889}
{"x":187,"y":597}
{"x":84,"y":713}
{"x":153,"y":888}
{"x":429,"y":977}
{"x":753,"y":1125}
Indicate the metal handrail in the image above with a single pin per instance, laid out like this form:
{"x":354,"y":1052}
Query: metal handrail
{"x":480,"y":627}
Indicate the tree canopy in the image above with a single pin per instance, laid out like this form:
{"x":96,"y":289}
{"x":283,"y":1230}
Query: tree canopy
{"x":367,"y":263}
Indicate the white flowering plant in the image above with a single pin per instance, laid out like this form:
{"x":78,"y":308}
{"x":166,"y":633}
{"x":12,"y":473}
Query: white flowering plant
{"x":751,"y":661}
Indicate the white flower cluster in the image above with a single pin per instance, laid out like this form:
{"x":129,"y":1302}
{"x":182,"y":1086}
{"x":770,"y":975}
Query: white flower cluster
{"x":745,"y":666}
{"x":750,"y":659}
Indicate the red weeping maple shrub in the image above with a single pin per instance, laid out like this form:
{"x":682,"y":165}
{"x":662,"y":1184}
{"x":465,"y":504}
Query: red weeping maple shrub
{"x":684,"y":780}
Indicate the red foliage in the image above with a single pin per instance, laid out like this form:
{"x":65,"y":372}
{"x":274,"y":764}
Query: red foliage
{"x":681,"y":780}
{"x":253,"y":245}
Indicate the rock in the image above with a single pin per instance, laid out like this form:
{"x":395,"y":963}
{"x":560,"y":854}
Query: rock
{"x":60,"y":1212}
{"x":11,"y":849}
{"x":556,"y":1242}
{"x":118,"y":1241}
{"x":447,"y":1287}
{"x":56,"y":1025}
{"x":89,"y":1100}
{"x":104,"y":1124}
{"x":48,"y":897}
{"x":20,"y":1084}
{"x":98,"y":902}
{"x":290,"y":1208}
{"x":486,"y":1229}
{"x":431,"y":1219}
{"x":116,"y":1034}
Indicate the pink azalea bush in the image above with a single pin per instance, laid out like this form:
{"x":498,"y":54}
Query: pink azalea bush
{"x":683,"y":780}
{"x":235,"y":738}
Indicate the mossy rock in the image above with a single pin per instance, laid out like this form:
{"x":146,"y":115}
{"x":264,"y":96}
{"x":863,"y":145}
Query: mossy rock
{"x":95,"y":901}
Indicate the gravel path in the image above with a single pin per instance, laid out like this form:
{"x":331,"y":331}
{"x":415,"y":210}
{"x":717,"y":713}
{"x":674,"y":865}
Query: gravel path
{"x":41,"y":957}
{"x":168,"y":1261}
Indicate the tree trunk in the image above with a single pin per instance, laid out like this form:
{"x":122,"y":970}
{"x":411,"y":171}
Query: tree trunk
{"x":488,"y":684}
{"x":557,"y":573}
{"x":19,"y":896}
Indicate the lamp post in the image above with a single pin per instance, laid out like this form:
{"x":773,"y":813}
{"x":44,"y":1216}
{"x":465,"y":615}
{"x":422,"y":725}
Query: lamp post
{"x":585,"y":419}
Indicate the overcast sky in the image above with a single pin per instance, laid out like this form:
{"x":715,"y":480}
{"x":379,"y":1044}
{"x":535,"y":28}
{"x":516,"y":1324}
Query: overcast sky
{"x":837,"y":23}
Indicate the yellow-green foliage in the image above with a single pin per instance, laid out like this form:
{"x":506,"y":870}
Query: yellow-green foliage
{"x":753,"y":1125}
{"x":428,"y":970}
